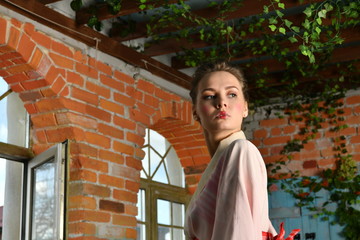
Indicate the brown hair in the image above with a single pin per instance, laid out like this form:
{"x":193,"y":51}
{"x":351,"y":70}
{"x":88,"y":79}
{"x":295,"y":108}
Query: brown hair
{"x":207,"y":68}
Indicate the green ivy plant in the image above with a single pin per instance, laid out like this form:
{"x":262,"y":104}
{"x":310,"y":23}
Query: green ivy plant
{"x":272,"y":33}
{"x":341,"y":183}
{"x":229,"y":37}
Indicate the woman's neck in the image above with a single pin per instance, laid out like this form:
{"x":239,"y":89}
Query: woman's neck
{"x":213,"y":140}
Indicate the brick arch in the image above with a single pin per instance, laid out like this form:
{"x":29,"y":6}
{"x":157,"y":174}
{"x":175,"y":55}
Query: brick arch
{"x":103,"y":112}
{"x":41,"y":84}
{"x":175,"y":122}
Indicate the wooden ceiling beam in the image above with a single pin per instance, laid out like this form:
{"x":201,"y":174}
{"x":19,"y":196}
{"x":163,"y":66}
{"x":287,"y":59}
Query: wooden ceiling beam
{"x":48,"y":1}
{"x":248,"y":8}
{"x":339,"y":55}
{"x":350,"y":35}
{"x":44,"y":15}
{"x":330,"y":71}
{"x":127,"y":7}
{"x":169,"y":46}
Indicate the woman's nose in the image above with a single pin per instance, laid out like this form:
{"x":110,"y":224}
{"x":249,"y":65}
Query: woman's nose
{"x":221,"y":103}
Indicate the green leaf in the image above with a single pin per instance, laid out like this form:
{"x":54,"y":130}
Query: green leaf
{"x":229,"y":29}
{"x":306,"y":24}
{"x":311,"y":57}
{"x":304,"y":50}
{"x":266,"y":9}
{"x":202,"y":36}
{"x":308,"y":12}
{"x":282,"y":30}
{"x":92,"y":21}
{"x":272,"y":27}
{"x":273,"y":20}
{"x":318,"y":30}
{"x":281,"y":5}
{"x":306,"y":37}
{"x":295,"y":29}
{"x":328,"y":7}
{"x":288,"y":23}
{"x":293,"y":39}
{"x":76,"y":5}
{"x":322,"y":13}
{"x":280,"y":14}
{"x":319,"y":21}
{"x":98,"y":26}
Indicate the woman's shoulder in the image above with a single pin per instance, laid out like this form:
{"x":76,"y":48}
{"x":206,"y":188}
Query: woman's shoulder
{"x":242,"y":152}
{"x":243,"y":144}
{"x":244,"y":147}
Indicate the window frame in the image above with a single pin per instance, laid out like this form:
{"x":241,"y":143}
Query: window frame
{"x":60,"y":152}
{"x":57,"y":152}
{"x":154,"y":191}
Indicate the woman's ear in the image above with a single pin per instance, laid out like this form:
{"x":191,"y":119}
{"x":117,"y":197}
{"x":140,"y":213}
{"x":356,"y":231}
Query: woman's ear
{"x":195,"y":116}
{"x":246,"y":110}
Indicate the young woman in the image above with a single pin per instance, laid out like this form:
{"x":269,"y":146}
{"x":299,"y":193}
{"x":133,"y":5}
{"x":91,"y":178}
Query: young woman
{"x":231,"y":200}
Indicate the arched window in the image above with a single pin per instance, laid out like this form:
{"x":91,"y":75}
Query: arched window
{"x":162,"y":197}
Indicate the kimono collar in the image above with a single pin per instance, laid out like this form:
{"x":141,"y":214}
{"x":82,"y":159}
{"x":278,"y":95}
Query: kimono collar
{"x":225,"y":143}
{"x":214,"y":160}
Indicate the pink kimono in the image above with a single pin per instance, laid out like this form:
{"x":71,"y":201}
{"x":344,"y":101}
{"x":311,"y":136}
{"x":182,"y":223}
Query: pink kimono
{"x":231,"y":201}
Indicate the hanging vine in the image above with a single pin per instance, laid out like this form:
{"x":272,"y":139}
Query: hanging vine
{"x":342,"y":183}
{"x":312,"y":36}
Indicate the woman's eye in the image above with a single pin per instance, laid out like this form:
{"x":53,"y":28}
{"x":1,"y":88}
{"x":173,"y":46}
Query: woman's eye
{"x":208,"y":97}
{"x":232,"y":95}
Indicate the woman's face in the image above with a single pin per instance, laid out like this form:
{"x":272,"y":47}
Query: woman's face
{"x":220,"y":105}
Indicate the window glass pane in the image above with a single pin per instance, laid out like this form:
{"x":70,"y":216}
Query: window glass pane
{"x":160,"y":175}
{"x":13,"y":120}
{"x":142,"y":174}
{"x":178,"y":234}
{"x":141,"y":231}
{"x":163,"y":212}
{"x":43,"y":205}
{"x":145,"y":164}
{"x":157,"y":141}
{"x":146,"y":136}
{"x":3,"y":114}
{"x":174,"y":168}
{"x":141,"y":206}
{"x":11,"y":181}
{"x":178,"y":214}
{"x":2,"y":181}
{"x":154,"y":161}
{"x":164,"y":233}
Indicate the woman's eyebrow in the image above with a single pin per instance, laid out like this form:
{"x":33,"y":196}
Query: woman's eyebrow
{"x":228,"y":87}
{"x":208,"y":89}
{"x":213,"y":90}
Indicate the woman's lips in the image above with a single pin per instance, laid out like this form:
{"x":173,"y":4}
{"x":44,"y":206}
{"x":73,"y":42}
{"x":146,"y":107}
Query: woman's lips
{"x":222,"y":115}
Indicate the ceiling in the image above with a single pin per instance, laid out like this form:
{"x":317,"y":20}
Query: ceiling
{"x":161,"y":58}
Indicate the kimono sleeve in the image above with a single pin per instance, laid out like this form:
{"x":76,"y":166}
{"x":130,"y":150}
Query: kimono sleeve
{"x":242,"y":202}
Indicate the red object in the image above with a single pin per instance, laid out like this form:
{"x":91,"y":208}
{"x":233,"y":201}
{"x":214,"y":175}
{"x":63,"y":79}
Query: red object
{"x":281,"y":235}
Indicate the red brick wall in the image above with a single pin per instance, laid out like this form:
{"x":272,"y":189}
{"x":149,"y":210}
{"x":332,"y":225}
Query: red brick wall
{"x":270,"y":136}
{"x":104,"y":113}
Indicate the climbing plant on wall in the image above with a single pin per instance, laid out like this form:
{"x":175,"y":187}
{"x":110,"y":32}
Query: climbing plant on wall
{"x":342,"y":183}
{"x":304,"y":45}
